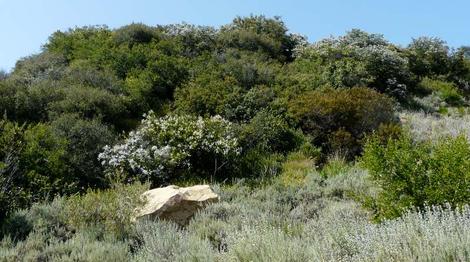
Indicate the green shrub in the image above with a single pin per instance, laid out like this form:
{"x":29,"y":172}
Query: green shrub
{"x":85,"y":140}
{"x":270,"y":133}
{"x":447,"y":91}
{"x":84,"y":246}
{"x":90,"y":103}
{"x":413,"y":174}
{"x":360,"y":59}
{"x":338,"y":119}
{"x":259,"y":34}
{"x":32,"y":165}
{"x":336,"y":165}
{"x":108,"y":212}
{"x":43,"y":218}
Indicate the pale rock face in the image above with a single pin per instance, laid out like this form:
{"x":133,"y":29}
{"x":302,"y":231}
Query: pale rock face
{"x":175,"y":203}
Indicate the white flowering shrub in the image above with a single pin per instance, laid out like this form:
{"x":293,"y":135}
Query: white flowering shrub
{"x":361,"y":59}
{"x":163,"y":147}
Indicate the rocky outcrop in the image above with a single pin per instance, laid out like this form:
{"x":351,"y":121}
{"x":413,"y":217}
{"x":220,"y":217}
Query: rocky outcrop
{"x":175,"y":203}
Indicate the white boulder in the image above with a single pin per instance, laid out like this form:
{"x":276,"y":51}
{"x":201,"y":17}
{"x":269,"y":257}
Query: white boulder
{"x":175,"y":203}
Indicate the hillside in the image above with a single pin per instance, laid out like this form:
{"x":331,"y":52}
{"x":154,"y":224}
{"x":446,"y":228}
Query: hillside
{"x":350,"y":148}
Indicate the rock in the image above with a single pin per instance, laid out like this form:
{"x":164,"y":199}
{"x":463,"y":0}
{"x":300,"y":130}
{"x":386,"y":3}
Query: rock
{"x":175,"y":203}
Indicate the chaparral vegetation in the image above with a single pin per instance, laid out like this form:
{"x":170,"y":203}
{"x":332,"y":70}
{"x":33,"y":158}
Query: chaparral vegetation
{"x":349,"y":148}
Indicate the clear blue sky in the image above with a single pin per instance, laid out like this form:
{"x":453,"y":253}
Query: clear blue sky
{"x":26,"y":24}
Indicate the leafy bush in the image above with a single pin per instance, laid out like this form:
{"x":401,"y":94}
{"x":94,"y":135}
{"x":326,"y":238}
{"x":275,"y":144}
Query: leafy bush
{"x":135,"y":33}
{"x":338,"y":119}
{"x":447,"y":91}
{"x":236,"y":85}
{"x":31,"y":165}
{"x":413,"y":174}
{"x":85,"y":140}
{"x":360,"y":59}
{"x":44,"y":218}
{"x":108,"y":212}
{"x":163,"y":147}
{"x":38,"y":68}
{"x":89,"y":103}
{"x":259,"y":34}
{"x":270,"y":133}
{"x":428,"y":56}
{"x":28,"y":103}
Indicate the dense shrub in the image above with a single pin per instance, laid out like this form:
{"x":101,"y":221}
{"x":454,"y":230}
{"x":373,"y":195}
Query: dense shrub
{"x":90,"y":103}
{"x":413,"y":174}
{"x":270,"y":134}
{"x":107,"y":212}
{"x":164,"y":147}
{"x":235,"y":85}
{"x":447,"y":91}
{"x":338,"y":119}
{"x":31,"y":165}
{"x":360,"y":59}
{"x":135,"y":33}
{"x":428,"y":56}
{"x":40,"y":67}
{"x":258,"y":33}
{"x":28,"y":103}
{"x":85,"y":140}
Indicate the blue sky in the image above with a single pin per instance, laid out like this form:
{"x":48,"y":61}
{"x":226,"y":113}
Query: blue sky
{"x":26,"y":24}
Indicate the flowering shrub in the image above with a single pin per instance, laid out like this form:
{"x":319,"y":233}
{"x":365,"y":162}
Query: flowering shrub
{"x":162,"y":147}
{"x":361,"y":59}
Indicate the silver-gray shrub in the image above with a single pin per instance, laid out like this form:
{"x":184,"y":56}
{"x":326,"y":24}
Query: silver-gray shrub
{"x":432,"y":127}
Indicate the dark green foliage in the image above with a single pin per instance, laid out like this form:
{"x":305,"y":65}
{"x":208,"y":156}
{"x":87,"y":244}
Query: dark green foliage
{"x":415,"y":174}
{"x":135,"y":34}
{"x":264,"y":140}
{"x":432,"y":58}
{"x":90,"y":103}
{"x":338,"y":119}
{"x":32,"y":166}
{"x":270,"y":134}
{"x":28,"y":103}
{"x":85,"y":140}
{"x":258,"y":33}
{"x":428,"y":56}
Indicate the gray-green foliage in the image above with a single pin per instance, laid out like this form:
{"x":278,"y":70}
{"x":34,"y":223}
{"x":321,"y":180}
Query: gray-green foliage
{"x":311,"y":219}
{"x":310,"y":223}
{"x":360,"y":59}
{"x":92,"y":227}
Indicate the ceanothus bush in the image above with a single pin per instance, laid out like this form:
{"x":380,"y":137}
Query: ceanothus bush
{"x":162,"y":148}
{"x":360,"y":59}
